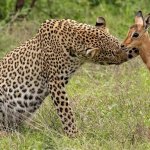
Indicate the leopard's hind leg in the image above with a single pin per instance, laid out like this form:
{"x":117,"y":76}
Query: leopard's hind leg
{"x":2,"y":131}
{"x":7,"y":119}
{"x":1,"y":115}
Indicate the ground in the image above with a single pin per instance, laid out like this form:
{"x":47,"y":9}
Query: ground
{"x":111,"y":104}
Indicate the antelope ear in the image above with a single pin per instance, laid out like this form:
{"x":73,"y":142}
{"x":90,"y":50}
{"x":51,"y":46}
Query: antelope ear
{"x":147,"y":21}
{"x":100,"y":22}
{"x":92,"y":52}
{"x":139,"y":18}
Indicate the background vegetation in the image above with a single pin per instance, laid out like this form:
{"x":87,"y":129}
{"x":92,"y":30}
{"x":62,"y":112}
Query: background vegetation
{"x":111,"y":103}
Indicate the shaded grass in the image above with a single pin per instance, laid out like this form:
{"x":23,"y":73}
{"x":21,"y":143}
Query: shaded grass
{"x":111,"y":104}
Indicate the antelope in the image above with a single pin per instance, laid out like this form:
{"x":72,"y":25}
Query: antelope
{"x":138,"y":37}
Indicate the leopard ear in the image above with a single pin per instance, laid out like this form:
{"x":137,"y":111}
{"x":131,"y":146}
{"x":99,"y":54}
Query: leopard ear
{"x":91,"y":52}
{"x":100,"y":22}
{"x":139,"y":20}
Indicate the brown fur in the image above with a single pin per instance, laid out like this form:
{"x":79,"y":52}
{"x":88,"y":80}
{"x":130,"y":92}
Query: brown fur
{"x":142,"y":42}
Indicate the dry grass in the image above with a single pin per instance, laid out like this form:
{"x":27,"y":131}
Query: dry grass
{"x":111,"y":104}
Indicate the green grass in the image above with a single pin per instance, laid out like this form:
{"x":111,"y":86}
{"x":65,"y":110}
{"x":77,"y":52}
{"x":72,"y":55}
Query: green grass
{"x":111,"y":103}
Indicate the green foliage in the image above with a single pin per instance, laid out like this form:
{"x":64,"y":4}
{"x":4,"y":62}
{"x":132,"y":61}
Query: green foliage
{"x":3,"y":9}
{"x":75,"y":8}
{"x":6,"y":8}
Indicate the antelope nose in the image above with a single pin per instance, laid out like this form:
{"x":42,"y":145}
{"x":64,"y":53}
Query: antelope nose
{"x":136,"y":50}
{"x":122,"y":45}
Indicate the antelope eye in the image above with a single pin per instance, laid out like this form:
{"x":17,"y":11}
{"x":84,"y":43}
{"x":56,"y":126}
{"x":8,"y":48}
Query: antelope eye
{"x":135,"y":35}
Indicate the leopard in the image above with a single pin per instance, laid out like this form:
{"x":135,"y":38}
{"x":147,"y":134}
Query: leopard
{"x":44,"y":64}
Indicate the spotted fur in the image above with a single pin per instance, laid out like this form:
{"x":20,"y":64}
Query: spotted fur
{"x":43,"y":66}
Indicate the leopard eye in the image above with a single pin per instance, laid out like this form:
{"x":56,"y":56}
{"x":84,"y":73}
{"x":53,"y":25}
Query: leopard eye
{"x":135,"y":35}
